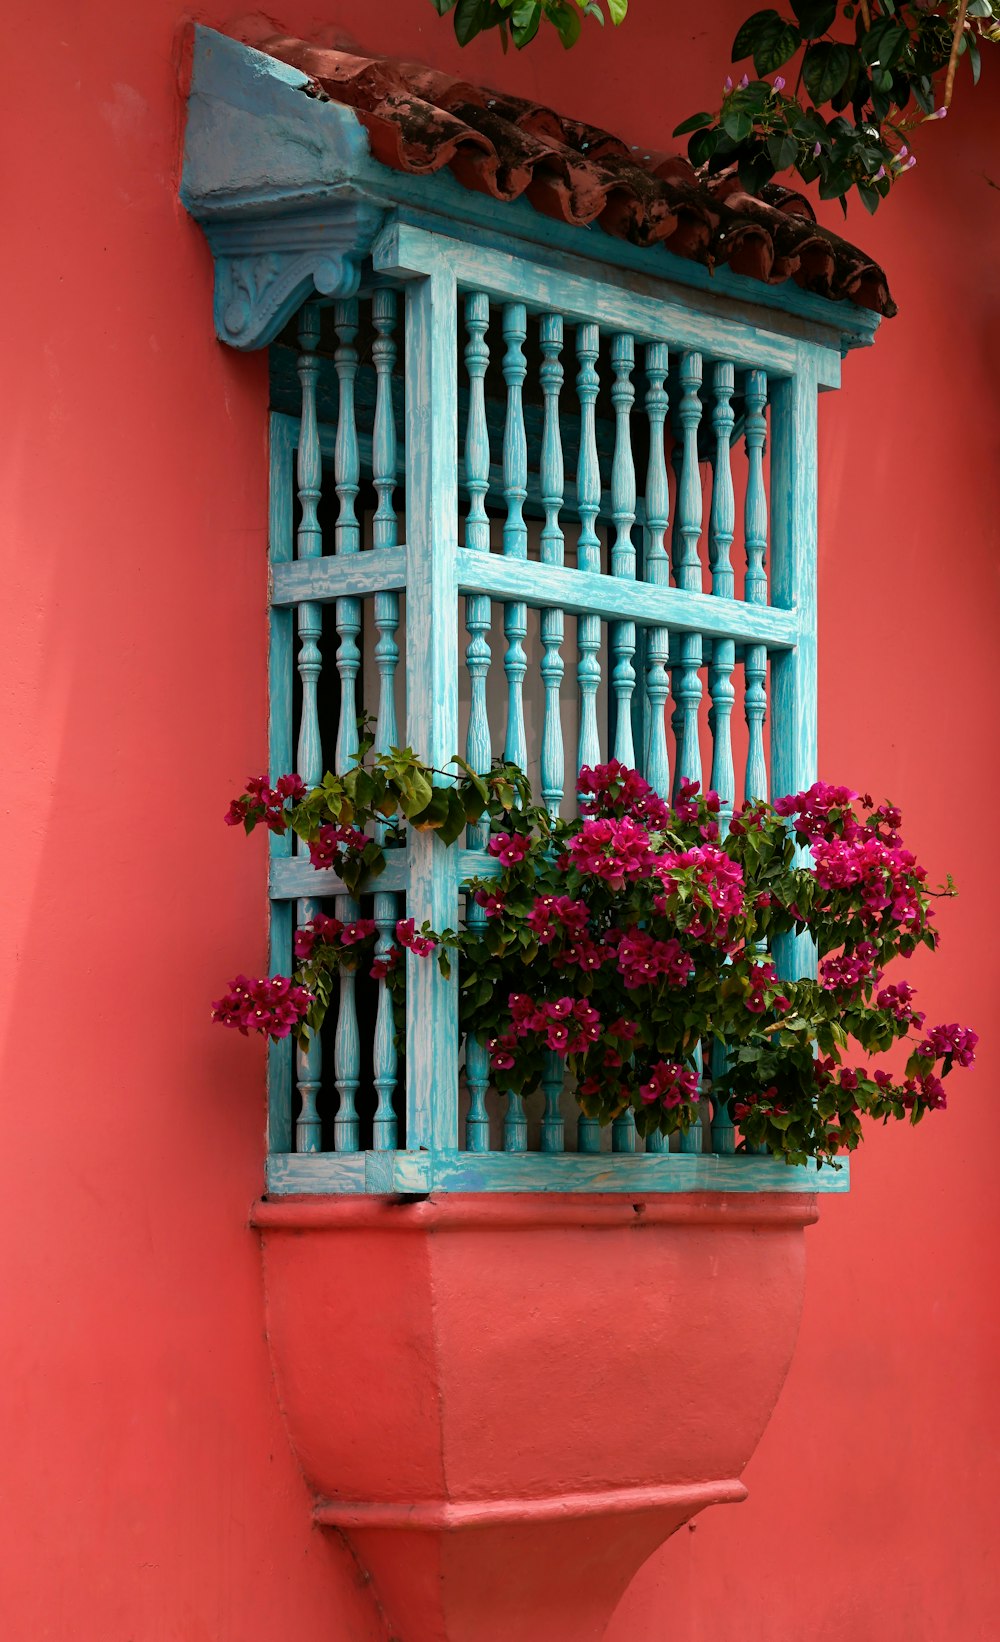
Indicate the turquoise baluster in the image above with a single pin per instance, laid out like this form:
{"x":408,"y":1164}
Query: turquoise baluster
{"x":755,"y":533}
{"x":686,"y":680}
{"x":552,"y":478}
{"x":515,"y":616}
{"x":384,"y":534}
{"x":478,"y":746}
{"x":515,"y":531}
{"x":657,"y":761}
{"x":622,"y":646}
{"x":721,"y":528}
{"x":687,"y":684}
{"x":588,"y":628}
{"x":588,"y":553}
{"x":658,"y":574}
{"x":309,"y":753}
{"x":755,"y":590}
{"x":347,"y":474}
{"x":623,"y":549}
{"x":676,"y":716}
{"x":722,"y":524}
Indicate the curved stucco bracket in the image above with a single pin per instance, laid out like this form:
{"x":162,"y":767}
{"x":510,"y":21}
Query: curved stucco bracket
{"x":265,"y":270}
{"x":507,"y":1402}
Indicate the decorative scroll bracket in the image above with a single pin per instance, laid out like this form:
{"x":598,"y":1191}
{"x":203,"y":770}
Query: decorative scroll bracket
{"x":264,"y":271}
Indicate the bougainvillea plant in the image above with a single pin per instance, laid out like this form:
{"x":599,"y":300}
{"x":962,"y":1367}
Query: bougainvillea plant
{"x":629,"y":940}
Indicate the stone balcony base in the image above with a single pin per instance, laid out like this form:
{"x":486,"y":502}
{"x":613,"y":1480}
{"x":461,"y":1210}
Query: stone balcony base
{"x":506,"y":1404}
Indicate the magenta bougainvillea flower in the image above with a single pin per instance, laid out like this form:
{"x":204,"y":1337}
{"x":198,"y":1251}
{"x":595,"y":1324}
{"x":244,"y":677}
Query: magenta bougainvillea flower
{"x":632,"y":940}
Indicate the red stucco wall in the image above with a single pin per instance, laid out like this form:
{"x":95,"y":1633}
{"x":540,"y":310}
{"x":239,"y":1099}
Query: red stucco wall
{"x":149,"y":1492}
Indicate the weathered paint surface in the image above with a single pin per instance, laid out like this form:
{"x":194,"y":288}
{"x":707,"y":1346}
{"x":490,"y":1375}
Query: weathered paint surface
{"x":149,"y":1490}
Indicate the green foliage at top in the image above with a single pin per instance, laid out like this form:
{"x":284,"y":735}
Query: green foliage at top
{"x":520,"y":20}
{"x":867,"y":73}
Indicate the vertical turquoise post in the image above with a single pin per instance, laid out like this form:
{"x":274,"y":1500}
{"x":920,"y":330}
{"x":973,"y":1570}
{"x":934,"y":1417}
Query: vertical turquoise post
{"x":686,"y":676}
{"x":478,"y":745}
{"x":687,"y":523}
{"x":384,"y":533}
{"x":657,"y":763}
{"x":515,"y":531}
{"x":515,"y":616}
{"x":347,"y":479}
{"x":721,"y":529}
{"x":588,"y":628}
{"x":552,"y":480}
{"x":431,"y":688}
{"x":793,"y":587}
{"x":280,"y":663}
{"x":755,"y":535}
{"x":309,"y":758}
{"x":588,"y":547}
{"x":622,"y":635}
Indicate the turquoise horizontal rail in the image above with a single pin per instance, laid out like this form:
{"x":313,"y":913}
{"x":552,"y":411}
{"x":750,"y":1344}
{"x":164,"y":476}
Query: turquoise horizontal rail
{"x":542,"y":587}
{"x":416,"y":1173}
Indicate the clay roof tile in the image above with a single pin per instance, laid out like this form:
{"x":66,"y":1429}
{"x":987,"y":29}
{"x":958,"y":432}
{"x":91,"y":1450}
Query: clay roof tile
{"x":422,"y":120}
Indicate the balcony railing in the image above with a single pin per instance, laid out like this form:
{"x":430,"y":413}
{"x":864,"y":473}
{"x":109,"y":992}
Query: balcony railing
{"x":544,"y":515}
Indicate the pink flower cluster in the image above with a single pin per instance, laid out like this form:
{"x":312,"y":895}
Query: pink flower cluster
{"x":670,"y":1084}
{"x":849,"y":854}
{"x":552,"y":914}
{"x":319,"y":928}
{"x":262,"y":802}
{"x":764,"y":984}
{"x":275,"y":1006}
{"x":899,"y":999}
{"x":419,"y":945}
{"x":492,"y":905}
{"x":957,"y":1041}
{"x":612,"y":790}
{"x":568,"y":1026}
{"x":613,"y":850}
{"x":385,"y":963}
{"x":509,"y":848}
{"x":819,"y":812}
{"x":887,"y":875}
{"x":849,"y":970}
{"x":641,"y":959}
{"x":332,"y":842}
{"x":686,"y":808}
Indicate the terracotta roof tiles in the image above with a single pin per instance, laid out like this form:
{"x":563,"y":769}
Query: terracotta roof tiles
{"x":421,"y":120}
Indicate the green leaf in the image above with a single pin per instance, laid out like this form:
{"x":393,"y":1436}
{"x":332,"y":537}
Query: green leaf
{"x":974,"y":58}
{"x":617,"y":11}
{"x":870,"y":198}
{"x":768,"y":39}
{"x":783,"y":150}
{"x":471,"y":17}
{"x":702,"y":146}
{"x":524,"y":22}
{"x":695,"y":123}
{"x":442,"y":6}
{"x":824,"y":69}
{"x":567,"y":21}
{"x":736,"y":124}
{"x":814,"y":17}
{"x":755,"y":171}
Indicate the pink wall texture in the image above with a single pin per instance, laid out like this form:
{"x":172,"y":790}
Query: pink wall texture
{"x":150,"y":1493}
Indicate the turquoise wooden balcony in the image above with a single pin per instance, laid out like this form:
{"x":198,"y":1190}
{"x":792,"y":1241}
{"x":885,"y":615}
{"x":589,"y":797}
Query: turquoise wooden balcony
{"x":535,"y":492}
